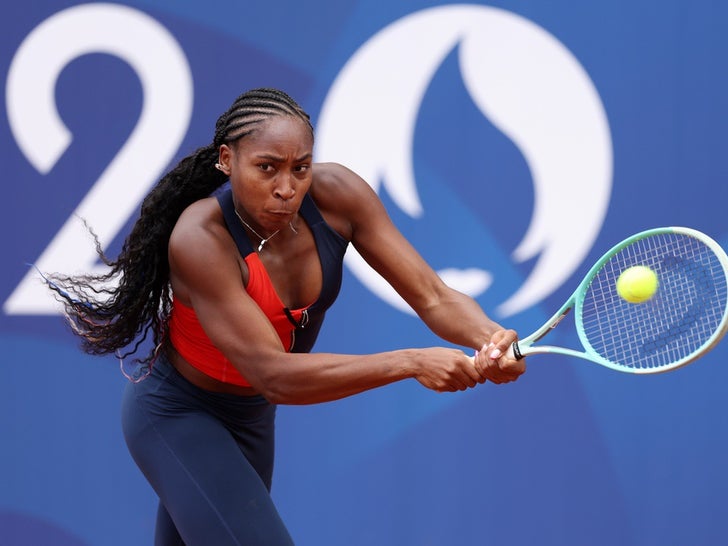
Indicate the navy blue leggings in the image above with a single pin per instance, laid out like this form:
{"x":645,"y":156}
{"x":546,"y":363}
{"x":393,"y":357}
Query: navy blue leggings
{"x":209,"y":458}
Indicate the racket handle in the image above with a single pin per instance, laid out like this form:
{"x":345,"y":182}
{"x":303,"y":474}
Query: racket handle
{"x":514,"y":352}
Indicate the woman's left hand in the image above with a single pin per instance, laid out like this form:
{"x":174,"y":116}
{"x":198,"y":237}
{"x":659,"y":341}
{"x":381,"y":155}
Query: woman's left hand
{"x":495,"y":361}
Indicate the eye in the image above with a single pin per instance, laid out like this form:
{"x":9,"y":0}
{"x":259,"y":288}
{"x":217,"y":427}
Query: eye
{"x":302,"y":168}
{"x":265,"y":167}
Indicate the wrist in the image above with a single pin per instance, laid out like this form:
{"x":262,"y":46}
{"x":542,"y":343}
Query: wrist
{"x":409,"y":363}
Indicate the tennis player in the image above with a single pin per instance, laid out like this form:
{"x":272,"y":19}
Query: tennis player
{"x":232,"y":281}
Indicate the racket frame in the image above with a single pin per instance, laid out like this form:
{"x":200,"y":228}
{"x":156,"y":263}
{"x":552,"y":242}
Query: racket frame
{"x":525,"y":347}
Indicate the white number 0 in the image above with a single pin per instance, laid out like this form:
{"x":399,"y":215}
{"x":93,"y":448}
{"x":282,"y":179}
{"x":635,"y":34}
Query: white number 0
{"x":167,"y":87}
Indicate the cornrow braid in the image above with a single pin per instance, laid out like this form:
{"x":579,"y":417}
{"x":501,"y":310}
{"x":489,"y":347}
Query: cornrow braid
{"x":252,"y":108}
{"x":117,"y":317}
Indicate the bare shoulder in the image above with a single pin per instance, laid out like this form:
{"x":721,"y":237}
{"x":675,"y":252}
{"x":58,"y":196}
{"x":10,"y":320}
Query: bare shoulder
{"x":335,"y":181}
{"x":201,"y":222}
{"x":200,"y":246}
{"x":342,"y":196}
{"x":331,"y":172}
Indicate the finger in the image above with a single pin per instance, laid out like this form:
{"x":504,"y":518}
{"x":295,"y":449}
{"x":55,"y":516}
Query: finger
{"x":464,"y":381}
{"x":510,"y":355}
{"x":488,"y":366}
{"x":512,"y":369}
{"x":452,"y":383}
{"x":482,"y":377}
{"x":455,"y":386}
{"x":502,"y":368}
{"x":471,"y":372}
{"x":502,"y":340}
{"x":505,"y":369}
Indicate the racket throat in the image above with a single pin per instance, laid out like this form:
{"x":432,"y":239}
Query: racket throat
{"x":554,"y":323}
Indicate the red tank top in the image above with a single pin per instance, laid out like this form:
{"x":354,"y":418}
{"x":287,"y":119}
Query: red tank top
{"x":191,"y":342}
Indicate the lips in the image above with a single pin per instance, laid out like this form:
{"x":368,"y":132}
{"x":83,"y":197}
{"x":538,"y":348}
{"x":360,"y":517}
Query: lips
{"x":279,"y":217}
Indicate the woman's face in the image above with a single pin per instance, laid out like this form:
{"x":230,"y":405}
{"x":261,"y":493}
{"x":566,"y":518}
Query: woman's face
{"x":270,"y":171}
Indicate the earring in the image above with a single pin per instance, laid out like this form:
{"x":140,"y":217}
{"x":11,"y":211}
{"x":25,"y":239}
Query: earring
{"x":219,"y":167}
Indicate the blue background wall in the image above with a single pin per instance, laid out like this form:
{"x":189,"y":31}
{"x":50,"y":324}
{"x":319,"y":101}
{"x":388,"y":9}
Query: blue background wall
{"x":571,"y":453}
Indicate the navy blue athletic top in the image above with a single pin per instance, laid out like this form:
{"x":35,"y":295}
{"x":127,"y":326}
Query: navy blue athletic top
{"x":297,"y":328}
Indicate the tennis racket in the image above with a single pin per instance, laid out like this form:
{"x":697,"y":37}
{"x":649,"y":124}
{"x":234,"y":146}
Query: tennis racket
{"x":685,"y":318}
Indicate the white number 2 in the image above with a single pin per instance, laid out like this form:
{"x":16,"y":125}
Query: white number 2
{"x":167,"y":88}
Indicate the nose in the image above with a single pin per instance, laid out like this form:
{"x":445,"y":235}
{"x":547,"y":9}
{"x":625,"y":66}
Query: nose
{"x":285,"y":187}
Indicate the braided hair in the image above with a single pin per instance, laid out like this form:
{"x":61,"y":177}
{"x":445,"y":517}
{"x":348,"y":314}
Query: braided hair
{"x":110,"y":317}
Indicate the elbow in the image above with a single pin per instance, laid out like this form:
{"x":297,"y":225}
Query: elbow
{"x":280,"y":379}
{"x":276,"y":388}
{"x":269,"y":375}
{"x":271,"y":393}
{"x":285,"y":389}
{"x":279,"y":396}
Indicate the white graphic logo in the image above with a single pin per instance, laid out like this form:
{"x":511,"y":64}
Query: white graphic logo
{"x":527,"y":84}
{"x":166,"y":81}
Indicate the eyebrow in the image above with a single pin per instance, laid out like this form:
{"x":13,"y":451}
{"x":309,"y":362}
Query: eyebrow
{"x":273,"y":157}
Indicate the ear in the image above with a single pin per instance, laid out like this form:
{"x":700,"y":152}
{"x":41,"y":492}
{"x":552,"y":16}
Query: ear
{"x":223,"y":163}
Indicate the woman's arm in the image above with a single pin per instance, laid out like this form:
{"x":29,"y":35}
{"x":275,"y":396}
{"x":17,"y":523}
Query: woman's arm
{"x":450,"y":314}
{"x":207,"y":274}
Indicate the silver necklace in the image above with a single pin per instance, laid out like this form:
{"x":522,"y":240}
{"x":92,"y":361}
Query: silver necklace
{"x":263,"y":240}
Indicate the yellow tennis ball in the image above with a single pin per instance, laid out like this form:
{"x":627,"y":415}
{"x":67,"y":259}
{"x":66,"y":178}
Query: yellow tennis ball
{"x":637,"y":284}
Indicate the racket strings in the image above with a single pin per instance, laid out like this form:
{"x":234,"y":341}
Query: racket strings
{"x":684,"y":314}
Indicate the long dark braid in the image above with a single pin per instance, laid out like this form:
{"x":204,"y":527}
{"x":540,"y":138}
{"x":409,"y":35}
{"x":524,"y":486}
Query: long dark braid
{"x":112,"y":317}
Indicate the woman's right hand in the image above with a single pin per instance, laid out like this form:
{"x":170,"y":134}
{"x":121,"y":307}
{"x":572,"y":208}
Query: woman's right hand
{"x":446,"y":370}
